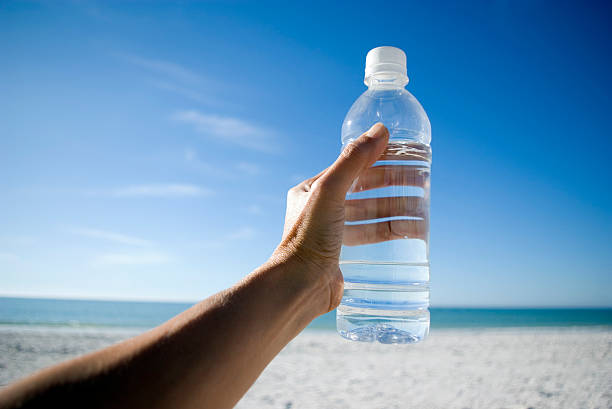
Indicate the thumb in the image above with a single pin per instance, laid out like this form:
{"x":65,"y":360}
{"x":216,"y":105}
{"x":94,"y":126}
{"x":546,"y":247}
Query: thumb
{"x":356,"y":156}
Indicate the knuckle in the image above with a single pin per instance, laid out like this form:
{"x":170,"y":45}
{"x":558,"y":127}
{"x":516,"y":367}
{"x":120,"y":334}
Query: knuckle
{"x":299,"y":188}
{"x":355,"y":149}
{"x":319,"y":183}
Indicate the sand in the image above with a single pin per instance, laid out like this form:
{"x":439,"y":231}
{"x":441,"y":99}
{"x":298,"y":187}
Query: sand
{"x":513,"y":368}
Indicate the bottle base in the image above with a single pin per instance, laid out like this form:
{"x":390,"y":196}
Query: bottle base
{"x":365,"y":325}
{"x":383,"y":333}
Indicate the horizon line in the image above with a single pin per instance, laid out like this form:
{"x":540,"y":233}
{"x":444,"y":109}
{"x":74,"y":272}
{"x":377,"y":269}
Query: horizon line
{"x":185,"y":301}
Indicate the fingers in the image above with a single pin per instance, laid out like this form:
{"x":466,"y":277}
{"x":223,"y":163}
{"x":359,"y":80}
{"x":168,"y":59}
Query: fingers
{"x":391,"y":175}
{"x":389,"y":230}
{"x":377,"y":208}
{"x":402,"y":167}
{"x":356,"y":157}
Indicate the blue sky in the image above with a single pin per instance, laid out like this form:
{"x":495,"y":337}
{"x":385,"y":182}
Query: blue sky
{"x":146,"y":148}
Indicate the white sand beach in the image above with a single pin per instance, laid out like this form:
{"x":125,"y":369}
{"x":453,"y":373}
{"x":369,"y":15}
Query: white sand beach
{"x":505,"y":368}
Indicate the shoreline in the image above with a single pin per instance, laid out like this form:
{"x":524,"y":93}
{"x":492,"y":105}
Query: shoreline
{"x":139,"y":329}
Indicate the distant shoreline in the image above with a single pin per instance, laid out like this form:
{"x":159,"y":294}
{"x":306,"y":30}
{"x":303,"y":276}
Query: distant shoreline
{"x":131,"y":331}
{"x":141,"y":315}
{"x":192,"y":302}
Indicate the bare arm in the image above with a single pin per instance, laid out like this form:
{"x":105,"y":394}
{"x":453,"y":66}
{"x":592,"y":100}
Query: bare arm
{"x":208,"y":356}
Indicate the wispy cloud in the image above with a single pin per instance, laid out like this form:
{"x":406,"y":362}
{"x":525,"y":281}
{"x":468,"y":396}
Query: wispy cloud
{"x":166,"y":68}
{"x":18,"y":240}
{"x":253,"y":209}
{"x":154,"y":190}
{"x":231,"y":130}
{"x":8,"y":256}
{"x":189,"y":92}
{"x":225,"y":170}
{"x":193,"y":160}
{"x":178,"y":79}
{"x":131,"y":259}
{"x":244,"y":233}
{"x":248,"y":168}
{"x":111,"y":236}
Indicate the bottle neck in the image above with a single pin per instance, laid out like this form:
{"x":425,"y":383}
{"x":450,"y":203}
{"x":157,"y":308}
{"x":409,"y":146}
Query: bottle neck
{"x":386,"y":80}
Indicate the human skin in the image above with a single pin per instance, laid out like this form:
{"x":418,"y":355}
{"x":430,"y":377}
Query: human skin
{"x":209,"y":355}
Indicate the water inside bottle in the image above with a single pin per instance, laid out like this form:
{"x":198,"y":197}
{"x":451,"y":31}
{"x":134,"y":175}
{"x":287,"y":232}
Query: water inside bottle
{"x":387,"y":218}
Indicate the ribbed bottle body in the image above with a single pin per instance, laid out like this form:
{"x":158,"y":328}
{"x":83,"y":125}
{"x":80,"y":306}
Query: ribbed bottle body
{"x":385,"y":252}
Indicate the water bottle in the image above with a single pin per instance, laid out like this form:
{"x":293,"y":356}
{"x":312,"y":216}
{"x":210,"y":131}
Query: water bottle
{"x":385,"y":250}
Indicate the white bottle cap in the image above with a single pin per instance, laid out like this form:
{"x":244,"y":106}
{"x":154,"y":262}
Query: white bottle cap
{"x":386,"y":62}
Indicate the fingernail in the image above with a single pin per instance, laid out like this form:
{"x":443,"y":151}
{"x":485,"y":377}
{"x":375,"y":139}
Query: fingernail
{"x":378,"y":130}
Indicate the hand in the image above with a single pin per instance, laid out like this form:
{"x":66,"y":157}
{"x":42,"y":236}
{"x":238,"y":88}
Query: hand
{"x":314,"y":222}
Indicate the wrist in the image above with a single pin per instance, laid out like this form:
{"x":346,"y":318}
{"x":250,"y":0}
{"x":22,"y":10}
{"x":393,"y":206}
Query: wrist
{"x":319,"y":284}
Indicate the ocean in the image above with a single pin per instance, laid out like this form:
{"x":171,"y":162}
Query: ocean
{"x":142,"y":315}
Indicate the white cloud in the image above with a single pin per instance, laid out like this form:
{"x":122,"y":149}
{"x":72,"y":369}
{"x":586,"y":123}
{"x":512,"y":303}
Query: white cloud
{"x":242,"y":234}
{"x":248,"y":168}
{"x":18,"y":240}
{"x":245,"y":233}
{"x":178,"y":79}
{"x":111,"y":236}
{"x":253,"y":209}
{"x":230,"y":129}
{"x":189,"y":92}
{"x":155,"y":190}
{"x":166,"y":68}
{"x":8,"y":256}
{"x":223,"y":170}
{"x":191,"y":157}
{"x":131,"y":259}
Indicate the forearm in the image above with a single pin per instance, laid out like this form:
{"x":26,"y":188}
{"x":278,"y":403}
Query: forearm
{"x":207,"y":356}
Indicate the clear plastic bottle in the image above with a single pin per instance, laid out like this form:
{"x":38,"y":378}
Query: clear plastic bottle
{"x":385,"y":253}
